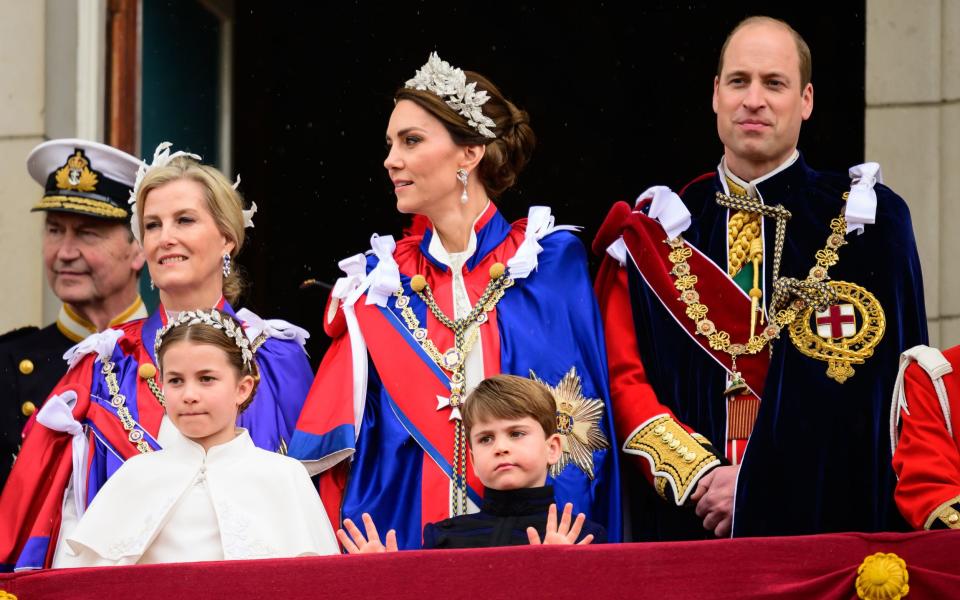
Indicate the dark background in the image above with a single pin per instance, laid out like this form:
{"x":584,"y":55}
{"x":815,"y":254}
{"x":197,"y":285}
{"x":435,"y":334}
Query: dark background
{"x":619,"y":97}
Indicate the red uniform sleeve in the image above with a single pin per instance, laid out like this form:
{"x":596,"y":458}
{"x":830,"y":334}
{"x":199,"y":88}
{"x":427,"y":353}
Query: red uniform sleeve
{"x":646,"y":426}
{"x":927,"y":458}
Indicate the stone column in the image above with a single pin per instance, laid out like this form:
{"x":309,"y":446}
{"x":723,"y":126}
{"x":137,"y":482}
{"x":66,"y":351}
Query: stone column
{"x":22,"y":88}
{"x":913,"y":131}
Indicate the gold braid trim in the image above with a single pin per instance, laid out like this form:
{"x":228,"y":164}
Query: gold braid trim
{"x":701,"y":438}
{"x":259,"y":341}
{"x":676,"y":456}
{"x":93,"y":207}
{"x":742,"y":229}
{"x":946,"y":513}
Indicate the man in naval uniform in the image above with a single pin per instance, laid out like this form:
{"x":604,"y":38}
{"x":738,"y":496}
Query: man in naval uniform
{"x":91,"y":262}
{"x":767,"y":303}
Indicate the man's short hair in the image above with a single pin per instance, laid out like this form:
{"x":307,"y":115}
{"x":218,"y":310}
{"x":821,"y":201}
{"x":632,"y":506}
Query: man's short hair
{"x":510,"y":397}
{"x":803,"y":50}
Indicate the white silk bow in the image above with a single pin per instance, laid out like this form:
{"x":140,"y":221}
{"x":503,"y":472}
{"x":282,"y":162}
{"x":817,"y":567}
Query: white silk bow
{"x":667,"y":209}
{"x":275,"y":328}
{"x":384,"y":279}
{"x":540,"y":223}
{"x":862,"y":201}
{"x":102,"y":343}
{"x":57,"y":414}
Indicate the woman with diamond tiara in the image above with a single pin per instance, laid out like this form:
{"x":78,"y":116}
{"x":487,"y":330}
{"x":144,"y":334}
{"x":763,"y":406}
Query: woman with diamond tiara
{"x":109,"y":406}
{"x":209,"y":494}
{"x":417,"y":323}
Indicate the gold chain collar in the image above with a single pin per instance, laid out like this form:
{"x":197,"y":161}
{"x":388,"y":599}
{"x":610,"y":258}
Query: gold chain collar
{"x":454,"y":359}
{"x":119,"y":401}
{"x":812,"y":291}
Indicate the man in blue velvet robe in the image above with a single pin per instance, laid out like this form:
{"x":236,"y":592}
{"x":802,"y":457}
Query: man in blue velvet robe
{"x":751,"y":414}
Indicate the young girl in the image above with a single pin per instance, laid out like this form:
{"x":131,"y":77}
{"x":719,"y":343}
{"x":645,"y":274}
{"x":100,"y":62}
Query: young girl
{"x":210,"y":494}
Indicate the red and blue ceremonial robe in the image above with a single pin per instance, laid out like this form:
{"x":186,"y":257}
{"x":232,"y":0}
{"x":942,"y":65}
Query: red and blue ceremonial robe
{"x":31,"y":504}
{"x":817,"y":459}
{"x":374,"y":400}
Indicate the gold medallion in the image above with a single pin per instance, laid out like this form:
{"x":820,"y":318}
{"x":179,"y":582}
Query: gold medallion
{"x":844,"y":334}
{"x":578,"y":420}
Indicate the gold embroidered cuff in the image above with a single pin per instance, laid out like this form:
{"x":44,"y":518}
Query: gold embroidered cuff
{"x":701,"y":438}
{"x":676,"y":457}
{"x":946,"y":516}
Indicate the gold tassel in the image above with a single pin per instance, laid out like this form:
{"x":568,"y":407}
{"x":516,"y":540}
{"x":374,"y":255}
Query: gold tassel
{"x":756,"y":253}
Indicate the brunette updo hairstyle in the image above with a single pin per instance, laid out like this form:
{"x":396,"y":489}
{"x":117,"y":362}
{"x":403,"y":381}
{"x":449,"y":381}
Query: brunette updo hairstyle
{"x":201,"y":333}
{"x":507,"y":154}
{"x":223,"y":202}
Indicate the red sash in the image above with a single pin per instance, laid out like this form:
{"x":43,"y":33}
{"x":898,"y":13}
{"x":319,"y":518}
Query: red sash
{"x":413,"y":383}
{"x":729,"y":306}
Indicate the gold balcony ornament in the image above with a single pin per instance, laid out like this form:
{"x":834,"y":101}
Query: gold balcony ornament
{"x":882,"y":577}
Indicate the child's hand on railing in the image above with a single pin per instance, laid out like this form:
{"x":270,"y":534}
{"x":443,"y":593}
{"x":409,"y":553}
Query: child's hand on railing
{"x":562,"y":533}
{"x":356,"y":543}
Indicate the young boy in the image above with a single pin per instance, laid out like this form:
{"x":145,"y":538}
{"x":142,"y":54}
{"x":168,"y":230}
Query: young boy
{"x":511,"y":426}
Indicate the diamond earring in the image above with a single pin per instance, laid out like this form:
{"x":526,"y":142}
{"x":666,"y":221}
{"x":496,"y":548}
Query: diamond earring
{"x":462,"y":176}
{"x":226,"y":264}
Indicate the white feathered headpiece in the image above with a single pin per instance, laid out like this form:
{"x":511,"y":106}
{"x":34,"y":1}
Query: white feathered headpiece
{"x":161,"y":158}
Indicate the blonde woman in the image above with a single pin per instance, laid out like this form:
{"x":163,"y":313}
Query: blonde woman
{"x":109,"y":406}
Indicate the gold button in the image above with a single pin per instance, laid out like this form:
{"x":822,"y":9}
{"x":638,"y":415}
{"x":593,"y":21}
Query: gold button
{"x":689,"y":456}
{"x":659,"y":429}
{"x":28,"y":408}
{"x":953,"y":518}
{"x":674,"y":444}
{"x":146,"y":371}
{"x":682,"y":450}
{"x":26,"y":366}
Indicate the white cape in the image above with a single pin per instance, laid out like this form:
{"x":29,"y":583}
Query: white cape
{"x":264,"y":504}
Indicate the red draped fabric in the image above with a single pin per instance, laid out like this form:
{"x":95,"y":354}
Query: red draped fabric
{"x":822,"y":567}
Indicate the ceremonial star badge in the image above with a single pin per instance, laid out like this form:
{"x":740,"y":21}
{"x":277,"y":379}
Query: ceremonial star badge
{"x":578,"y":421}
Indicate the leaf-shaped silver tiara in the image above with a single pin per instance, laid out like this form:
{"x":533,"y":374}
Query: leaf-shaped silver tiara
{"x":450,"y":83}
{"x":214,"y":319}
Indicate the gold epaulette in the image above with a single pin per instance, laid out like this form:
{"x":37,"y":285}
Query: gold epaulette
{"x":946,"y":516}
{"x":677,"y":458}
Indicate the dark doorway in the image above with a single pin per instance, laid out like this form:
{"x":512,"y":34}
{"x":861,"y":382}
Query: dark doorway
{"x":619,"y":97}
